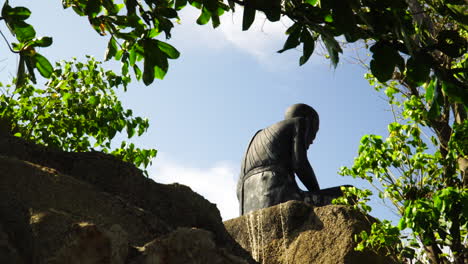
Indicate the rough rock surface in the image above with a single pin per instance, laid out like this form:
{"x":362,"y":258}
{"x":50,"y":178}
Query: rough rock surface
{"x":295,"y":233}
{"x":54,"y":204}
{"x":186,"y":245}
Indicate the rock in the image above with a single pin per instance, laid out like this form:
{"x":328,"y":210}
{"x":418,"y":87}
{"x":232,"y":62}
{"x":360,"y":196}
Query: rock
{"x":45,"y":192}
{"x":176,"y":205}
{"x":86,"y":243}
{"x":295,"y":233}
{"x":8,"y":253}
{"x":186,"y":245}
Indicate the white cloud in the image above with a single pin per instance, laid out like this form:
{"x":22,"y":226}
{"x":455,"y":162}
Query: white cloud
{"x":217,"y":184}
{"x":262,"y":40}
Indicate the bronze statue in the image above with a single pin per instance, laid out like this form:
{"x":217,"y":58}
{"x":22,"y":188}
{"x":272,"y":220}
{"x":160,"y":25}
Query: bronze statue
{"x":274,"y":156}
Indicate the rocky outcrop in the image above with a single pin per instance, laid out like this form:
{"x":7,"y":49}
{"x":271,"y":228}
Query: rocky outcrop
{"x":61,"y":207}
{"x":296,"y":233}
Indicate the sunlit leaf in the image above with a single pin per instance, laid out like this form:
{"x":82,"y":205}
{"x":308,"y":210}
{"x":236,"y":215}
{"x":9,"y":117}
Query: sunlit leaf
{"x":43,"y":65}
{"x":171,"y":52}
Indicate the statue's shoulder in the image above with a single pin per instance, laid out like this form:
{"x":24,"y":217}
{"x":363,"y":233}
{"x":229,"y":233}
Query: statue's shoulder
{"x":287,"y":123}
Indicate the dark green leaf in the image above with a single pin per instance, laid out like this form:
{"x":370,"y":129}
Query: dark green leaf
{"x":179,"y":4}
{"x":455,"y":93}
{"x":16,"y":13}
{"x":131,"y":6}
{"x":93,"y":8}
{"x":21,"y":74}
{"x":215,"y":19}
{"x":232,"y":5}
{"x":248,"y":17}
{"x":43,"y":65}
{"x":168,"y":12}
{"x":384,"y":60}
{"x":417,"y":70}
{"x":30,"y":67}
{"x":451,"y":43}
{"x":272,"y":10}
{"x":333,"y":49}
{"x":309,"y":45}
{"x":293,"y":39}
{"x":343,"y":16}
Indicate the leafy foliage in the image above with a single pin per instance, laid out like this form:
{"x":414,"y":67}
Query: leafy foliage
{"x":77,"y":110}
{"x":419,"y":176}
{"x":134,"y":26}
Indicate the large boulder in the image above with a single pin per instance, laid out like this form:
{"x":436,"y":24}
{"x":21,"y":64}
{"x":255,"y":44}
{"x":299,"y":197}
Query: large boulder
{"x":54,"y":204}
{"x":295,"y":232}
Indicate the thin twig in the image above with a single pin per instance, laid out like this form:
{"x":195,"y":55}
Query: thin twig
{"x":8,"y":44}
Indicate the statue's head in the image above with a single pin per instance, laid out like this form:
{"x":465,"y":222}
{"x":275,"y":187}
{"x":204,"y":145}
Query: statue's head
{"x":307,"y":112}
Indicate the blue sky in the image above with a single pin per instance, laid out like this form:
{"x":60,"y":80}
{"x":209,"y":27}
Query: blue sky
{"x":226,"y":85}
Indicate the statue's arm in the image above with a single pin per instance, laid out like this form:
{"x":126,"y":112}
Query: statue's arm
{"x":301,"y":164}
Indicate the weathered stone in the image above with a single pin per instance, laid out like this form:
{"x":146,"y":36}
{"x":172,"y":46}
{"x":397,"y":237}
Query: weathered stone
{"x":43,"y":192}
{"x":186,"y":245}
{"x":295,"y":233}
{"x":8,"y":252}
{"x":174,"y":205}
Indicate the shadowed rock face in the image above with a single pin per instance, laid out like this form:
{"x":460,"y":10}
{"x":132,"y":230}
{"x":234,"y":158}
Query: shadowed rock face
{"x":295,"y":233}
{"x":45,"y":193}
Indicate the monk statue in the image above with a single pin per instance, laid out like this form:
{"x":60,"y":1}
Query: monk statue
{"x":274,"y":156}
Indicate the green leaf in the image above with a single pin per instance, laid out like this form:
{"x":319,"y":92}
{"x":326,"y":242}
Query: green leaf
{"x":204,"y":17}
{"x":43,"y":65}
{"x":333,"y":49}
{"x":430,"y":90}
{"x":23,"y":31}
{"x":434,"y":110}
{"x":248,"y":17}
{"x":30,"y":65}
{"x":111,"y":49}
{"x":42,"y":42}
{"x":137,"y":72}
{"x":155,"y":64}
{"x":455,"y":93}
{"x":17,"y":13}
{"x":309,"y":45}
{"x":312,"y":2}
{"x":93,"y":100}
{"x":171,"y":52}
